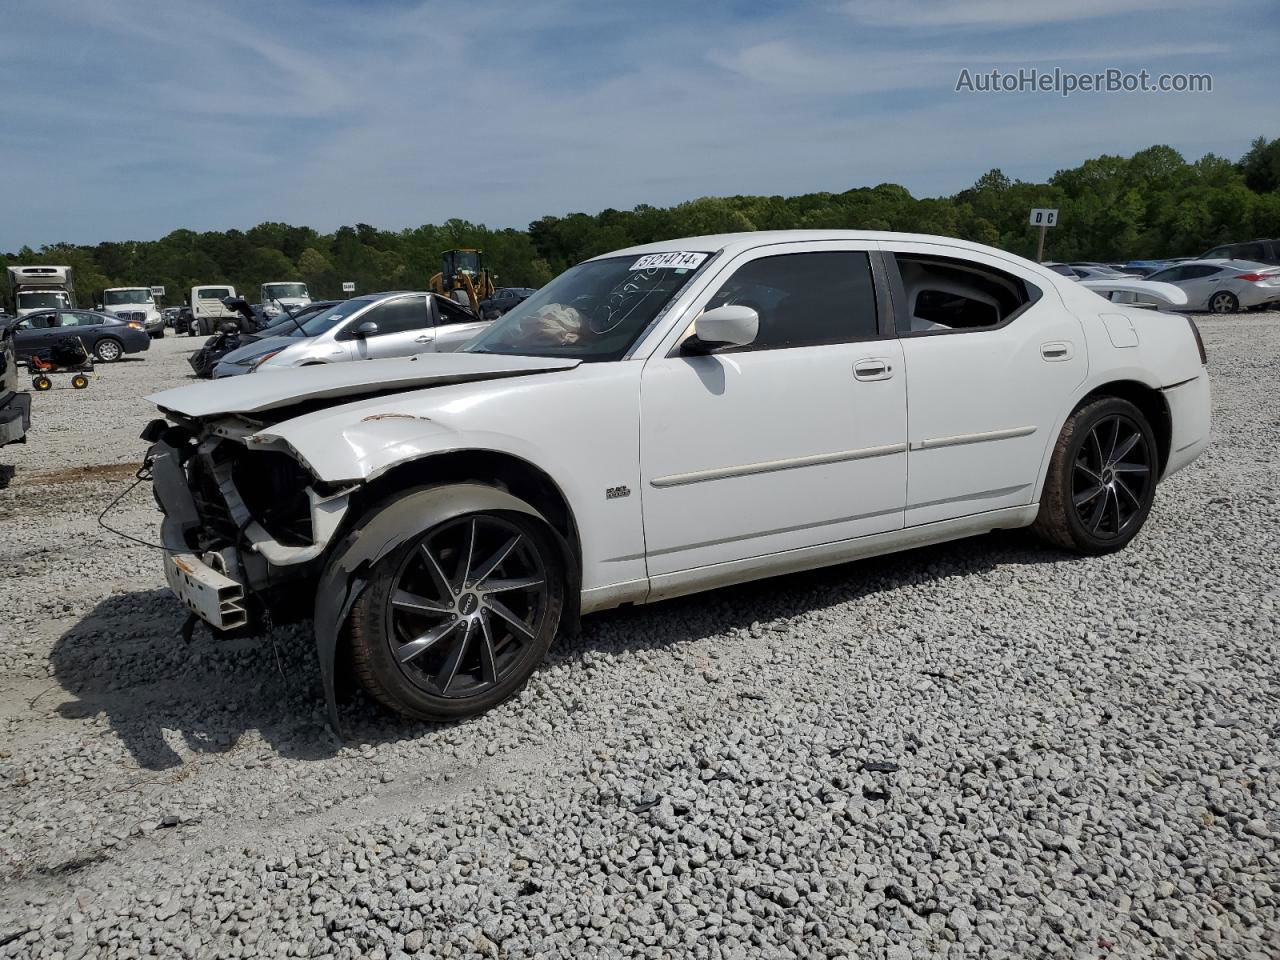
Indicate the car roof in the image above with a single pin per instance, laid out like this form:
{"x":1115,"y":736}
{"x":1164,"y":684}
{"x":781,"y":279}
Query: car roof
{"x":732,"y":244}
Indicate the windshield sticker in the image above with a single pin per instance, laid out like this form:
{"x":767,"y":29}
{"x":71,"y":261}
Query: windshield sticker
{"x":665,"y":261}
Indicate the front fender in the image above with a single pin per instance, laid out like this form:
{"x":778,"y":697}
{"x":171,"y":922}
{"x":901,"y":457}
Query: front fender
{"x":387,"y":526}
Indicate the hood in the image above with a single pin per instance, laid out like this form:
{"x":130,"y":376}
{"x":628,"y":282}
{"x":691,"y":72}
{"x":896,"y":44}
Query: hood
{"x":284,"y":388}
{"x":252,"y":346}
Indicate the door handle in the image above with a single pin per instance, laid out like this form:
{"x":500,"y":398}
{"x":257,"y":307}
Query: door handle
{"x":1056,"y":350}
{"x":872,"y":369}
{"x":422,"y":339}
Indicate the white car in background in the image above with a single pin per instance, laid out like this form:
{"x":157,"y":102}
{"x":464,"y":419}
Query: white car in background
{"x":663,"y":420}
{"x":1223,"y":286}
{"x":375,"y":326}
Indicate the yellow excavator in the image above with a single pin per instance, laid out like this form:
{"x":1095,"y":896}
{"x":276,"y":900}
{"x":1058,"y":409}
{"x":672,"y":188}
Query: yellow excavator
{"x":463,"y":270}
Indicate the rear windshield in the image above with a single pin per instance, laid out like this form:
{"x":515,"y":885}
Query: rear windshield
{"x":213,"y":293}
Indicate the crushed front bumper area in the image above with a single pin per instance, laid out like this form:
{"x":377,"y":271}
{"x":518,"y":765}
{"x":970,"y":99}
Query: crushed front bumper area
{"x":220,"y":561}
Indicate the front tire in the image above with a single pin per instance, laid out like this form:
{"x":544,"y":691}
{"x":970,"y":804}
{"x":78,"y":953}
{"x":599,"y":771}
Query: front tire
{"x":455,"y":619}
{"x":1223,"y":302}
{"x":1102,"y":479}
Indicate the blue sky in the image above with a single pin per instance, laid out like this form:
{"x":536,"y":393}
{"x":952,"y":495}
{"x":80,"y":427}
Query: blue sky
{"x":125,"y":120}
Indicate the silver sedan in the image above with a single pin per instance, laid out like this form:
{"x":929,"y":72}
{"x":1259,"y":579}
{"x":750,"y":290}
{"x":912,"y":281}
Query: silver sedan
{"x":1223,"y":286}
{"x":375,"y":326}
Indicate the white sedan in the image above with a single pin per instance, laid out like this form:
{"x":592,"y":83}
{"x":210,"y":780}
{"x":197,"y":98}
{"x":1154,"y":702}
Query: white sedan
{"x":662,"y":420}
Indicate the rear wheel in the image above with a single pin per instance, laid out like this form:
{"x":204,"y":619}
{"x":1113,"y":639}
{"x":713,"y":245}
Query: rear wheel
{"x":1102,"y":479}
{"x":1223,"y":302}
{"x":79,"y":381}
{"x":42,"y":383}
{"x":108,"y":349}
{"x":455,"y":620}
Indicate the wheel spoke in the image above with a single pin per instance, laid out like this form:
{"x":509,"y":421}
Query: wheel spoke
{"x":1115,"y":436}
{"x":488,"y":658}
{"x":1092,"y":476}
{"x":437,"y":575}
{"x":501,"y":609}
{"x":1121,"y":485}
{"x":495,"y":561}
{"x":454,"y":660}
{"x":1082,"y":498}
{"x":426,"y":641}
{"x":1095,"y":518}
{"x":1131,"y":468}
{"x":465,"y":558}
{"x":404,"y":600}
{"x":505,"y":586}
{"x":1097,"y":445}
{"x":1123,"y":449}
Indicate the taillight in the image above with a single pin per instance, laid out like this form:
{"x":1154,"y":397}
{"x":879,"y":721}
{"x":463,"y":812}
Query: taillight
{"x":1254,"y":277}
{"x":1195,"y":332}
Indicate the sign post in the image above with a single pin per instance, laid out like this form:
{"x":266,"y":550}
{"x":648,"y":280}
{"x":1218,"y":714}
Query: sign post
{"x":348,"y":286}
{"x":1043,"y":218}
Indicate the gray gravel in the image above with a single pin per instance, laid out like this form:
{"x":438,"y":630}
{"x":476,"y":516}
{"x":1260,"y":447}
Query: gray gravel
{"x":984,"y":749}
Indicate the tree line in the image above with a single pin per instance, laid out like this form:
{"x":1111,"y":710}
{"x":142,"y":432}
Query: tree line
{"x":1150,"y":205}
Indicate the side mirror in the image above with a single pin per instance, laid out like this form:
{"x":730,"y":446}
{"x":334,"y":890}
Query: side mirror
{"x":727,"y":326}
{"x":367,"y":329}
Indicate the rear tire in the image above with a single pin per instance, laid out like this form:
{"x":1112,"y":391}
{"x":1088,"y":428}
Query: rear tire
{"x":42,"y":383}
{"x":108,"y":349}
{"x":455,"y":619}
{"x":1102,"y":479}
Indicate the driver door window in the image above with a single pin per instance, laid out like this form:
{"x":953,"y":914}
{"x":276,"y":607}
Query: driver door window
{"x":399,"y":316}
{"x":404,"y":328}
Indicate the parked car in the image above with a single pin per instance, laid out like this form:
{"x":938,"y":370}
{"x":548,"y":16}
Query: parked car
{"x":1061,"y":269}
{"x":205,"y":360}
{"x":503,"y":299}
{"x":447,"y":514}
{"x":374,"y":326}
{"x":15,"y":404}
{"x":1144,"y":268}
{"x":1098,"y":272}
{"x":182,"y":320}
{"x":108,"y":338}
{"x":1223,"y":286}
{"x":1256,"y":251}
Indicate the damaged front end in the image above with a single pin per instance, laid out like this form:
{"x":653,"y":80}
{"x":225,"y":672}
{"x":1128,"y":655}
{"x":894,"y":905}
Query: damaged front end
{"x":245,"y":523}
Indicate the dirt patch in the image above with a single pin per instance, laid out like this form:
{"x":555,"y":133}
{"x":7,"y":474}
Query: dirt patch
{"x":98,"y":471}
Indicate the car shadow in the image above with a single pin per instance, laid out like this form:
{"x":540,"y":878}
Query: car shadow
{"x":693,"y":617}
{"x":127,"y":659}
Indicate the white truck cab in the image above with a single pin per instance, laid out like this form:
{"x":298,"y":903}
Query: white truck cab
{"x":207,"y":308}
{"x":41,"y":288}
{"x":278,"y":295}
{"x":137,"y":304}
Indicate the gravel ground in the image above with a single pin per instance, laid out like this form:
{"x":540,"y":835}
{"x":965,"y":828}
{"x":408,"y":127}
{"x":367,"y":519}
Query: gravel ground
{"x":984,"y":749}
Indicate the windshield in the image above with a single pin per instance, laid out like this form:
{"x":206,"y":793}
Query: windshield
{"x":279,"y":290}
{"x":213,"y":293}
{"x":326,"y":320}
{"x":51,"y":298}
{"x":594,"y":311}
{"x":113,"y":298}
